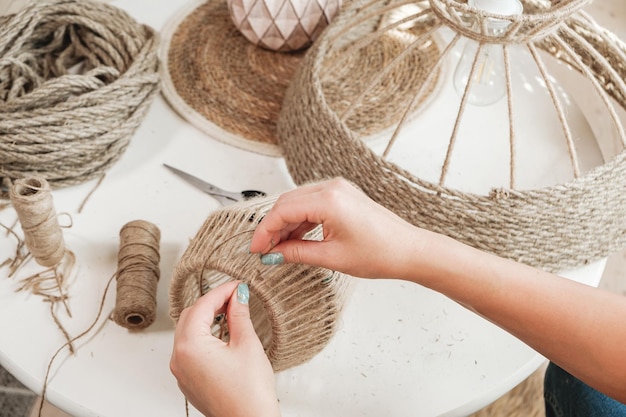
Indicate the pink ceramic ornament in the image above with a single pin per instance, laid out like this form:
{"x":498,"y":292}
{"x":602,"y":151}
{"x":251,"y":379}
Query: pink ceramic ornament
{"x":282,"y":25}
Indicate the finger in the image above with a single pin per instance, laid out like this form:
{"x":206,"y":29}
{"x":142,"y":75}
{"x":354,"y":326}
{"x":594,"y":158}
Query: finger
{"x":240,"y":326}
{"x":272,"y":232}
{"x":308,"y":252}
{"x":205,"y":309}
{"x":287,"y":215}
{"x":299,"y":232}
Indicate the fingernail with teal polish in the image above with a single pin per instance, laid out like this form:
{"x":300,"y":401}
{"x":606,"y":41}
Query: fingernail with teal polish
{"x":274,"y":258}
{"x":243,"y":293}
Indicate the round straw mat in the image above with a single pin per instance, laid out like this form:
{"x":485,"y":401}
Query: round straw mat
{"x":233,"y":91}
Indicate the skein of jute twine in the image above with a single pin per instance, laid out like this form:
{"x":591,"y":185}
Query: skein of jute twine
{"x":554,"y":228}
{"x":76,"y":79}
{"x":295,"y":308}
{"x":137,"y":275}
{"x":34,"y":206}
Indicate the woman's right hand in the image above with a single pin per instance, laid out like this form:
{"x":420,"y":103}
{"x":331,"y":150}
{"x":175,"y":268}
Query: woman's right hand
{"x":560,"y":318}
{"x":361,"y":237}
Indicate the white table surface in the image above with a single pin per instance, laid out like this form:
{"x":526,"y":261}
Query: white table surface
{"x":401,"y":350}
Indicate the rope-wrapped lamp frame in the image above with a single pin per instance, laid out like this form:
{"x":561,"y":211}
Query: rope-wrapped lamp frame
{"x":76,"y":79}
{"x":556,"y":227}
{"x":294,"y":308}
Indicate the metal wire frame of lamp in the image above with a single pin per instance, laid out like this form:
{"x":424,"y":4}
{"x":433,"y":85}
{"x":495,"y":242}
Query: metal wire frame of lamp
{"x":554,"y":227}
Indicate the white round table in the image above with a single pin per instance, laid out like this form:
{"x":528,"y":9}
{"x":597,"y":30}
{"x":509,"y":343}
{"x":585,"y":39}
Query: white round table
{"x":401,"y":350}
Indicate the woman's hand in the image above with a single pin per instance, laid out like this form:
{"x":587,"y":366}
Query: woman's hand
{"x":361,"y":238}
{"x":233,"y":379}
{"x":578,"y":327}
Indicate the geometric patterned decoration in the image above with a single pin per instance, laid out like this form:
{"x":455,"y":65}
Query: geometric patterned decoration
{"x":282,"y":25}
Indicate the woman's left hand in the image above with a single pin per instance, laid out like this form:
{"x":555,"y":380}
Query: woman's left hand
{"x":223,"y":379}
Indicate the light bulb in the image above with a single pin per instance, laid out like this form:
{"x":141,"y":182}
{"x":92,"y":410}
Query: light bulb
{"x":488,"y":84}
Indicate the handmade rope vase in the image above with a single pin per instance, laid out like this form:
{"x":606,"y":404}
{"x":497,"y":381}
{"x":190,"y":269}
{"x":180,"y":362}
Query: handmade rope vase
{"x":76,"y":79}
{"x":294,"y":308}
{"x":556,"y":227}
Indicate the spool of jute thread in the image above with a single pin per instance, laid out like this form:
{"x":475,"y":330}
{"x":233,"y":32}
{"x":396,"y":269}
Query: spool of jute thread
{"x":32,"y":200}
{"x":137,"y":275}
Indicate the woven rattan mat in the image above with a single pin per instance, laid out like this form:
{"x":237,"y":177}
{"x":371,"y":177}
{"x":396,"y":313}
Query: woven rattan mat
{"x":233,"y":91}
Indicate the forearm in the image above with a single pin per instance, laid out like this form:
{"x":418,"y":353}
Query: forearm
{"x":579,"y":327}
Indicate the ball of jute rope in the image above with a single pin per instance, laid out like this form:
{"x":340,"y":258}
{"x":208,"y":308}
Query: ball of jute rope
{"x":294,"y":308}
{"x":557,"y":227}
{"x":76,"y":79}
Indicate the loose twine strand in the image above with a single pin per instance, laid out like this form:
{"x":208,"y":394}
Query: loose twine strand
{"x":70,"y":342}
{"x":556,"y":227}
{"x":43,"y":238}
{"x":138,"y":270}
{"x":76,"y":79}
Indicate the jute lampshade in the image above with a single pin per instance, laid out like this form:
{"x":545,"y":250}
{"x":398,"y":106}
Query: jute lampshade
{"x":294,"y":308}
{"x":556,"y":227}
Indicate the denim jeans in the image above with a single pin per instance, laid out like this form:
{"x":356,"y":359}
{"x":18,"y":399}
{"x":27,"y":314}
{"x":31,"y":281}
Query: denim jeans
{"x":566,"y":396}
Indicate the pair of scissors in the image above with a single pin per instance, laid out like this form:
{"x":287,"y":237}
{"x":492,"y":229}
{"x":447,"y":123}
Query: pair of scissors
{"x":223,"y":196}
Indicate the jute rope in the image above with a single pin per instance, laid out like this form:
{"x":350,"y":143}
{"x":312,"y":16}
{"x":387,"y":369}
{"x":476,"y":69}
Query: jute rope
{"x":76,"y":78}
{"x":556,"y":227}
{"x":294,"y":308}
{"x":233,"y":90}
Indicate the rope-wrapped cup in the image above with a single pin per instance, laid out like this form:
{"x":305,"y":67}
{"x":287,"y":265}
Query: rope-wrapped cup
{"x":556,"y":227}
{"x":294,"y":308}
{"x":76,"y":79}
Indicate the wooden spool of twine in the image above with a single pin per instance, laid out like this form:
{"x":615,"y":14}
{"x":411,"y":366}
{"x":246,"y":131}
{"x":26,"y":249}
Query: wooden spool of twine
{"x":294,"y":308}
{"x":76,"y":78}
{"x":556,"y":227}
{"x":33,"y":204}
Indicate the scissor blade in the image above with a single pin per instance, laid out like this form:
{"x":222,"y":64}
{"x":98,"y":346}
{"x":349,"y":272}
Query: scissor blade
{"x":198,"y":183}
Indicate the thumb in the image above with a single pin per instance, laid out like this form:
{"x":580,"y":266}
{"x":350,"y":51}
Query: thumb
{"x":239,"y":324}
